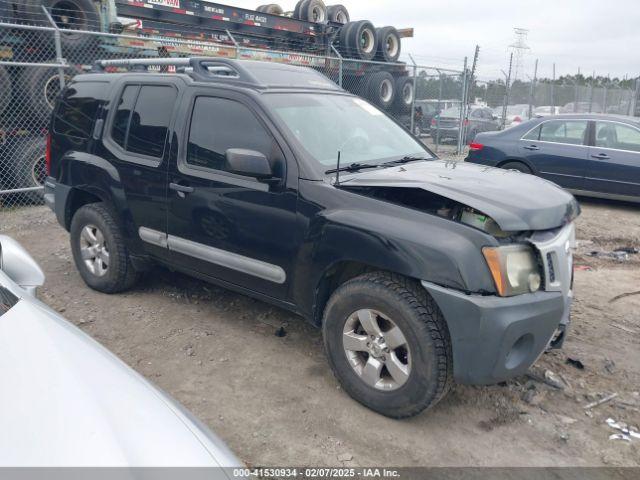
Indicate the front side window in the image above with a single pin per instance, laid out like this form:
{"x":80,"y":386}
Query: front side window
{"x":564,"y":131}
{"x":218,"y":124}
{"x":618,"y":136}
{"x":325,"y":124}
{"x":142,"y":119}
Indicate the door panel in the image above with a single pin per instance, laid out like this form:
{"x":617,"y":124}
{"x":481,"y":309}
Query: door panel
{"x":614,"y":160}
{"x":557,"y":150}
{"x":224,"y":225}
{"x":136,"y":142}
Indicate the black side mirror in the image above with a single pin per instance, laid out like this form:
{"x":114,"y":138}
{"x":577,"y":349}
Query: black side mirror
{"x":248,"y":162}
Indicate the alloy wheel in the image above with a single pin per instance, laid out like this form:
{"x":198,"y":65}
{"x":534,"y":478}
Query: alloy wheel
{"x":94,"y":251}
{"x":376,"y":349}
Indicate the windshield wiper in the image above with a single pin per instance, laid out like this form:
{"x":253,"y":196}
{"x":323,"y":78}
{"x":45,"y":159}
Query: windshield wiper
{"x":353,"y":167}
{"x":402,"y":160}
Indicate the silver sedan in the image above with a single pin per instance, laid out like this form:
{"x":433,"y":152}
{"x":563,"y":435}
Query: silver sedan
{"x":67,"y":401}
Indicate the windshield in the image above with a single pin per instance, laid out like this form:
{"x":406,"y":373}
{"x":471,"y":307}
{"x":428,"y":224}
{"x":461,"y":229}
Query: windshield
{"x":451,"y":112}
{"x":516,"y":109}
{"x":327,"y":124}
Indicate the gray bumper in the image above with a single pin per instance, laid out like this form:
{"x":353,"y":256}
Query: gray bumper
{"x":55,"y":197}
{"x":495,"y":338}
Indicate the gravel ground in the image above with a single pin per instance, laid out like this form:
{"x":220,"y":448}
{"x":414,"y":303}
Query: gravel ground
{"x":275,"y":401}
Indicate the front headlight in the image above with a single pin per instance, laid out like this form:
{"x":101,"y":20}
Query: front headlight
{"x":514,"y":269}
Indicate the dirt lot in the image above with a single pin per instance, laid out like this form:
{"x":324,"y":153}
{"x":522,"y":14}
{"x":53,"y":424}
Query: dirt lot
{"x":275,"y":401}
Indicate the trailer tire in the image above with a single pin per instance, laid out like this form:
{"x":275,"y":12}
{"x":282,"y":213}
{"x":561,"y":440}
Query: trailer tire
{"x":358,"y":40}
{"x":389,"y":44}
{"x":26,"y":169}
{"x":338,"y":14}
{"x":40,"y":87}
{"x":5,"y":89}
{"x":271,"y":9}
{"x":311,"y":11}
{"x":404,"y":94}
{"x":380,"y":89}
{"x":68,"y":15}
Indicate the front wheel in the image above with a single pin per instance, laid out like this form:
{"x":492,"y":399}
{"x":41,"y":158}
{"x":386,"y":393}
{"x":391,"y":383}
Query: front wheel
{"x":388,"y":344}
{"x":99,"y":251}
{"x":518,"y":166}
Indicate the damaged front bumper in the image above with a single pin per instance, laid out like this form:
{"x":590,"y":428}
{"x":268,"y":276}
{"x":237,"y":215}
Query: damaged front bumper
{"x":496,"y":338}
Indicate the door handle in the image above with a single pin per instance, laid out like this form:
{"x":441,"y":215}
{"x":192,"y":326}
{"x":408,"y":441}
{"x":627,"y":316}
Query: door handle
{"x":532,"y":147}
{"x":181,"y":189}
{"x":601,"y":156}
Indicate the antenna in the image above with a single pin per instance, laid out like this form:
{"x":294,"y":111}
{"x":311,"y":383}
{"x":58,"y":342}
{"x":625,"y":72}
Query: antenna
{"x":337,"y":182}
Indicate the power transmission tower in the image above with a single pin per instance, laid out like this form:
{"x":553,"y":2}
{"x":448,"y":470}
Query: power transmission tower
{"x":519,"y":47}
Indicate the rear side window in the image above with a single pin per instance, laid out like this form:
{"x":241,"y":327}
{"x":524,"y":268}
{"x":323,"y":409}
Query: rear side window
{"x":78,"y":108}
{"x":617,"y":136}
{"x":564,"y":131}
{"x":142,"y":119}
{"x":218,"y":124}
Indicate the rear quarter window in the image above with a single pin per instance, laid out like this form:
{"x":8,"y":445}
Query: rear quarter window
{"x":78,"y":107}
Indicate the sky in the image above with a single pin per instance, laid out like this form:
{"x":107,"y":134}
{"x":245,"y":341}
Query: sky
{"x":593,"y":35}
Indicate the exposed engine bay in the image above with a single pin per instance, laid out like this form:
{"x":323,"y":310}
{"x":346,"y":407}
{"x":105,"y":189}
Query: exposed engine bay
{"x":432,"y":203}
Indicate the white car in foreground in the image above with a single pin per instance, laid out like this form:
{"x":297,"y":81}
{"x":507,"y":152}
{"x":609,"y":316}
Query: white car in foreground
{"x":68,"y":401}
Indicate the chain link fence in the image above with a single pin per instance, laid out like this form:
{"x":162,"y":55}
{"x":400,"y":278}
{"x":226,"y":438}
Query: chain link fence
{"x":37,"y":59}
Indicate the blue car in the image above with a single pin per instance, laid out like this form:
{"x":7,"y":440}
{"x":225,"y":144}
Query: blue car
{"x":590,"y":155}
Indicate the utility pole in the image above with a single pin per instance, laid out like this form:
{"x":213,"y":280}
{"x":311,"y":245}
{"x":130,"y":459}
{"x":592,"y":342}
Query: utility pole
{"x":519,"y":47}
{"x":470,"y":81}
{"x":506,"y":90}
{"x":532,"y":89}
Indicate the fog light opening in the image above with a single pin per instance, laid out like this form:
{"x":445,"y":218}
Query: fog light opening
{"x":519,"y":352}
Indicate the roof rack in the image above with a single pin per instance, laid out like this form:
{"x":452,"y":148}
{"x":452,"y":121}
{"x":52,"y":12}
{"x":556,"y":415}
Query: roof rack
{"x":199,"y":68}
{"x":255,"y":74}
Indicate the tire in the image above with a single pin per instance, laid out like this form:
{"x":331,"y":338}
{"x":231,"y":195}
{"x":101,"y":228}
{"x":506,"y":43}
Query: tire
{"x":271,"y":8}
{"x":68,"y":15}
{"x":6,"y":94}
{"x":358,"y":40}
{"x":26,"y":169}
{"x":311,"y":11}
{"x":338,"y":14}
{"x":519,"y":166}
{"x":40,"y":87}
{"x":113,"y":275}
{"x":380,"y":89}
{"x":389,"y":44}
{"x":404,"y":94}
{"x":424,"y":353}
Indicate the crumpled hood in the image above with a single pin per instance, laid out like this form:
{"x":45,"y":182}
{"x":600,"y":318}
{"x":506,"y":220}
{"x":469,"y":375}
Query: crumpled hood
{"x":516,"y":201}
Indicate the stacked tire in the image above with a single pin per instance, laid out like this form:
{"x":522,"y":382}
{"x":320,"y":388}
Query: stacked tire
{"x":69,"y":15}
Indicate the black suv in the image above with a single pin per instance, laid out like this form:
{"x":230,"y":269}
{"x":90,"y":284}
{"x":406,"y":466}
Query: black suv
{"x":420,"y":272}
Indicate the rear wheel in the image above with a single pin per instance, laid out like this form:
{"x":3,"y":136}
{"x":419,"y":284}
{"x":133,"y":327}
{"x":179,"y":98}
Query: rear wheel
{"x":41,"y":87}
{"x":338,"y":14}
{"x":311,"y":11}
{"x":380,"y":89}
{"x":99,"y":251}
{"x":404,"y":94}
{"x":271,"y":8}
{"x":68,"y":15}
{"x":389,"y":45}
{"x":519,"y":166}
{"x":388,"y":344}
{"x":358,"y":40}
